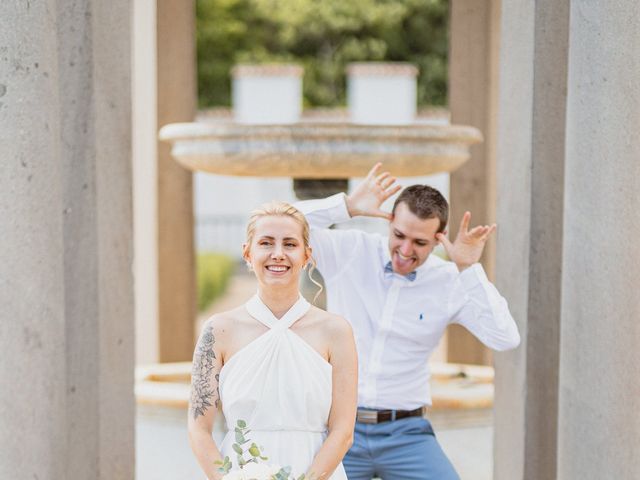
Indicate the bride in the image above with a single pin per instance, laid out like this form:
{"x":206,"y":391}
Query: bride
{"x":286,"y":368}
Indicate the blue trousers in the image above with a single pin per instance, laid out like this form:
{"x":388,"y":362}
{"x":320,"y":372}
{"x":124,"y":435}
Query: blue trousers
{"x":404,"y":449}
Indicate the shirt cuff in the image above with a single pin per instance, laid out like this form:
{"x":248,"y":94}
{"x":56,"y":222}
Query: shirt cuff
{"x":333,"y":209}
{"x":472,"y":276}
{"x":338,"y":208}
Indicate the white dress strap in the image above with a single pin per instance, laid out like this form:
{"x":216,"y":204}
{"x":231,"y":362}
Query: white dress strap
{"x":258,"y":310}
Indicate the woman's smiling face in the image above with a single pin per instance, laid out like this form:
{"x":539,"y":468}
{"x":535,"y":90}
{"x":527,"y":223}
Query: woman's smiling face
{"x":277,"y":253}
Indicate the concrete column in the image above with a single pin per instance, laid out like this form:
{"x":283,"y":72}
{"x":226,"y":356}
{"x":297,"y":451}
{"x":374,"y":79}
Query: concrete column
{"x":145,"y":183}
{"x":530,"y":172}
{"x":177,"y":102}
{"x":473,"y":84}
{"x":599,"y":423}
{"x":65,"y":201}
{"x":165,"y":261}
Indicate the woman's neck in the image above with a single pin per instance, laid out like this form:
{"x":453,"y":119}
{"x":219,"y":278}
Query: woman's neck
{"x":278,"y":300}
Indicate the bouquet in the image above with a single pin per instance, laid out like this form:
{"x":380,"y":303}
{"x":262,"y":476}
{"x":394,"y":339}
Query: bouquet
{"x":252,"y":468}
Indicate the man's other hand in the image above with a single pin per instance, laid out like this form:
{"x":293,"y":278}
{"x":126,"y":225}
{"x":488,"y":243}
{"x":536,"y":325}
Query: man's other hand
{"x":468,"y":245}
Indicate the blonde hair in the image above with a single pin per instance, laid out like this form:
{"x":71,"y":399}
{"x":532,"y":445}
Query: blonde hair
{"x":283,"y":209}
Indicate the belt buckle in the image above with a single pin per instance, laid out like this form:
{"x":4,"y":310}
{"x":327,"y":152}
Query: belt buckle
{"x":367,"y":416}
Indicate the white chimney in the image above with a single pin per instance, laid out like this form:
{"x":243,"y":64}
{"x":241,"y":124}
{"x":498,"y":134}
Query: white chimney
{"x":382,"y":93}
{"x":267,"y":94}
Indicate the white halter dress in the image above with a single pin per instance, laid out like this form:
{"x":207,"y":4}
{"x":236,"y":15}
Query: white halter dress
{"x":281,"y":387}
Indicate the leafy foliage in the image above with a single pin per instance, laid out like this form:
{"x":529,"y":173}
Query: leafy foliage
{"x":322,"y":36}
{"x":213,"y":273}
{"x":255,"y":452}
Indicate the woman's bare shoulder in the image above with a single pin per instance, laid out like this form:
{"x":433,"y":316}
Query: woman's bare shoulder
{"x":224,"y":322}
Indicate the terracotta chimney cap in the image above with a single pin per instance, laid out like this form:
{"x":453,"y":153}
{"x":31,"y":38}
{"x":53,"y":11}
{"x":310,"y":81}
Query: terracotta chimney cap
{"x":382,"y":69}
{"x":267,"y":70}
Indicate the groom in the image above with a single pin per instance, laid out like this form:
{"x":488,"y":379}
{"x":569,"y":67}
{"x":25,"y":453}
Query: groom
{"x":399,"y":299}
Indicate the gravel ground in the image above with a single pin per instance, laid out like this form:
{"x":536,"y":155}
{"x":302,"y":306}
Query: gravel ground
{"x":163,"y":453}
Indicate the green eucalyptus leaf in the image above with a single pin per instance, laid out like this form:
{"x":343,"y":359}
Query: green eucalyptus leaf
{"x":241,"y":423}
{"x":237,"y":449}
{"x":254,"y":451}
{"x":225,"y":465}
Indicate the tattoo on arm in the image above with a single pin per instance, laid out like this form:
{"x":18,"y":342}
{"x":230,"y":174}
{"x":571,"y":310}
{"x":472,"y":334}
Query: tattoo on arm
{"x":202,"y":390}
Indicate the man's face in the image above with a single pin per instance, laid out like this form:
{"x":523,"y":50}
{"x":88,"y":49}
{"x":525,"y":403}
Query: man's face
{"x":411,"y":239}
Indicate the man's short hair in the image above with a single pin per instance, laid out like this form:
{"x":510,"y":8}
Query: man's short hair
{"x":425,"y":202}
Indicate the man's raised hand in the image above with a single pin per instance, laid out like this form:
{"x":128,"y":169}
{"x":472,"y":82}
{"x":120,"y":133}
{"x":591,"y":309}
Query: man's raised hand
{"x":367,"y":197}
{"x":468,"y":246}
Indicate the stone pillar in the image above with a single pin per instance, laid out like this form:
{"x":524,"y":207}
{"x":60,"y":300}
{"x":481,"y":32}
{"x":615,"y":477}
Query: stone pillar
{"x":66,"y":327}
{"x":165,"y":261}
{"x":530,"y":172}
{"x":145,"y":184}
{"x":599,"y":423}
{"x":473,"y":85}
{"x":177,"y":102}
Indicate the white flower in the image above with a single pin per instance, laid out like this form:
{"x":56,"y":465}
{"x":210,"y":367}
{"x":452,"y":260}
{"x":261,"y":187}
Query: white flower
{"x":235,"y":475}
{"x":257,"y":471}
{"x":253,"y":471}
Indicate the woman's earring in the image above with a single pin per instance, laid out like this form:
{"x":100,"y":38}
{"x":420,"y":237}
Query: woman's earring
{"x":249,"y":266}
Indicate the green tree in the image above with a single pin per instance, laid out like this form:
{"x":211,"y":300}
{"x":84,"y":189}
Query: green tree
{"x":322,"y":36}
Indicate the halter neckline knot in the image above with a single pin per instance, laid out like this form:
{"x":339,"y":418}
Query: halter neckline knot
{"x":258,"y":310}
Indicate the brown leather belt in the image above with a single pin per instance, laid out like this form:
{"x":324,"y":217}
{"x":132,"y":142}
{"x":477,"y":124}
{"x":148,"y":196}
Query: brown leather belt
{"x":365,"y":415}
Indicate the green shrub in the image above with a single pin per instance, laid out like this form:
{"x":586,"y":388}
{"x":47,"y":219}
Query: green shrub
{"x":323,"y":36}
{"x":213,"y":273}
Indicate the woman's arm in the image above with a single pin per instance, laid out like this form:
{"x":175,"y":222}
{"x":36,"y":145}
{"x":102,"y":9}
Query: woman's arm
{"x":344,"y":360}
{"x":205,"y":398}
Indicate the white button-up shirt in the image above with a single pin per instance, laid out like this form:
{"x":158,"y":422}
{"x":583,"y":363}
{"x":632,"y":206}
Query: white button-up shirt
{"x":398,"y":323}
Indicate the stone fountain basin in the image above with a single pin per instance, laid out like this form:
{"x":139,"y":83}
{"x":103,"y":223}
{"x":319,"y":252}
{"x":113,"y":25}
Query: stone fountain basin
{"x":318,"y":150}
{"x":462,"y":395}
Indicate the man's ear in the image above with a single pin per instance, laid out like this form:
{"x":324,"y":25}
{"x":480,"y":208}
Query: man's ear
{"x":444,"y":232}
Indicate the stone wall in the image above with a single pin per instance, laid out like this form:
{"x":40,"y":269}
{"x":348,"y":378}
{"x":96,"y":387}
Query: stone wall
{"x":599,"y":419}
{"x":66,"y":332}
{"x":568,"y":176}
